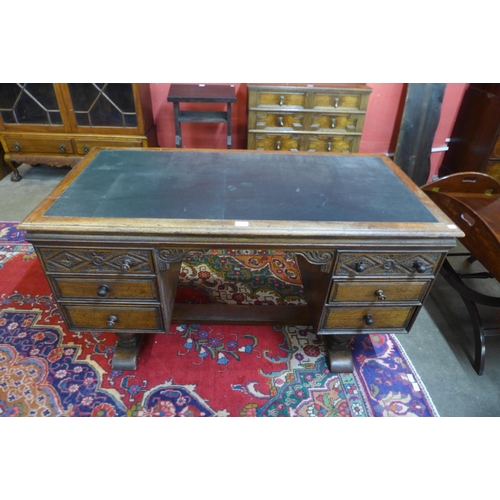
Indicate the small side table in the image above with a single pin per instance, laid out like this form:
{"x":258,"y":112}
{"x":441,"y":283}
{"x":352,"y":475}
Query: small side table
{"x":201,"y":93}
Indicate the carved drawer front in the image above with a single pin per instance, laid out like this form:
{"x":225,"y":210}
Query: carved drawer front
{"x":96,"y":261}
{"x":281,"y":99}
{"x":387,"y":264}
{"x":277,"y":142}
{"x":83,"y":146}
{"x":368,"y":318}
{"x":105,"y":289}
{"x":112,"y":318}
{"x":379,"y":292}
{"x":39,"y":145}
{"x":337,"y":100}
{"x":276,"y":121}
{"x":333,"y":143}
{"x":346,"y":123}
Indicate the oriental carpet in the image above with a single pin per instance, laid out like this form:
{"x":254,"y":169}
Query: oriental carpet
{"x":194,"y":370}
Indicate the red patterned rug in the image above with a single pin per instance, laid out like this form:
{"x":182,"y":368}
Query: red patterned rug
{"x":194,"y":370}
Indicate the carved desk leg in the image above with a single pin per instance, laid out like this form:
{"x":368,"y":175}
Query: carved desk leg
{"x":338,"y":354}
{"x":126,"y":351}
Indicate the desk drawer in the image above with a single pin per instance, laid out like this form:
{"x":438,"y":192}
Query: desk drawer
{"x":83,"y":146}
{"x":379,"y":292}
{"x":39,"y":145}
{"x":368,"y":318}
{"x":105,"y":289}
{"x":112,"y":318}
{"x":96,"y":261}
{"x":387,"y":264}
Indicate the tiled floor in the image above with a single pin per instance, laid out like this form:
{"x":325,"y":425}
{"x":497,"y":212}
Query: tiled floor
{"x":438,"y":345}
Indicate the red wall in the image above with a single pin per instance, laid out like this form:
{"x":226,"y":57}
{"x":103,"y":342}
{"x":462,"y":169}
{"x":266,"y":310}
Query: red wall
{"x":380,"y":133}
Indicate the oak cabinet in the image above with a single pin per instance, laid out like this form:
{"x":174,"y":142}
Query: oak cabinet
{"x":327,"y":118}
{"x":58,"y":123}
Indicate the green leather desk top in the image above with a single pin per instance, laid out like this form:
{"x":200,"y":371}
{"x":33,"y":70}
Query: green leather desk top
{"x":169,"y":184}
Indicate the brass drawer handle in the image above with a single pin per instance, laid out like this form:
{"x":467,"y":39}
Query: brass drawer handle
{"x":282,"y":100}
{"x":336,"y":102}
{"x":112,"y":321}
{"x":103,"y":291}
{"x":334,"y":122}
{"x":62,"y":147}
{"x":368,"y":319}
{"x":420,"y":267}
{"x":17,"y":146}
{"x":278,"y":145}
{"x":380,"y":295}
{"x":280,"y":121}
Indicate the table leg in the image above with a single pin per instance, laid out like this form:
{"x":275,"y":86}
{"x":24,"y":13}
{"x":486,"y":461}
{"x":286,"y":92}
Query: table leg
{"x":126,"y":351}
{"x":178,"y":137}
{"x":338,"y":353}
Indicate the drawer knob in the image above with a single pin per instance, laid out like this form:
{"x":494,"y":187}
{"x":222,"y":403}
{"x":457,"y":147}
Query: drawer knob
{"x":368,"y":319}
{"x":103,"y":291}
{"x":85,"y":148}
{"x":419,"y":266}
{"x":280,"y":121}
{"x":62,"y":147}
{"x":278,"y":145}
{"x":126,"y":265}
{"x":336,"y":102}
{"x":17,"y":146}
{"x":334,"y":122}
{"x":112,"y":321}
{"x":380,"y":295}
{"x":360,"y":267}
{"x":329,"y":146}
{"x":282,"y":100}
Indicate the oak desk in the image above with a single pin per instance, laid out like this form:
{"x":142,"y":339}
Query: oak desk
{"x":112,"y":237}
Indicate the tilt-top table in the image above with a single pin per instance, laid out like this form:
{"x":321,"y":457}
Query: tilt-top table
{"x":113,"y":234}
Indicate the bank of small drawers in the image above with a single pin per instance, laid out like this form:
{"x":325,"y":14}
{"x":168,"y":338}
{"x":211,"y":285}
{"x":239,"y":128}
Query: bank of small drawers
{"x":104,"y":289}
{"x":378,"y":291}
{"x":306,"y":118}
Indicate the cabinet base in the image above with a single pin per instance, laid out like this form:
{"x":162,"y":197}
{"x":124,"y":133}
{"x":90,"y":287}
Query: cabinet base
{"x":126,"y":351}
{"x":338,"y":354}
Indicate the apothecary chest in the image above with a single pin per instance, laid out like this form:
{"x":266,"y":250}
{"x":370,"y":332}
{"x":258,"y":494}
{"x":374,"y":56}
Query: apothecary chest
{"x":312,"y":117}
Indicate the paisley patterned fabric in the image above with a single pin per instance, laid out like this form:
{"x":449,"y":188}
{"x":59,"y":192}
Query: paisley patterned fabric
{"x":193,"y":370}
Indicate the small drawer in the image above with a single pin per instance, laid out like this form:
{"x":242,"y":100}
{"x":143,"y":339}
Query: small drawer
{"x":333,"y":143}
{"x":96,"y":261}
{"x":345,"y":123}
{"x":368,"y":318}
{"x":270,"y":142}
{"x":387,"y":264}
{"x":83,"y":146}
{"x":337,"y":100}
{"x":380,"y":292}
{"x":281,"y":99}
{"x":112,"y":318}
{"x":105,"y":289}
{"x":277,"y":121}
{"x":39,"y":145}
